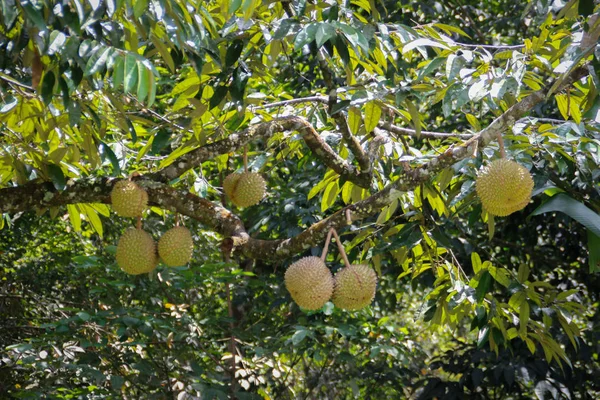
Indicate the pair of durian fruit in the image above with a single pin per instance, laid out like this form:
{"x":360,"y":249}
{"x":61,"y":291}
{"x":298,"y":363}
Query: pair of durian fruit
{"x":311,"y":284}
{"x":137,"y":252}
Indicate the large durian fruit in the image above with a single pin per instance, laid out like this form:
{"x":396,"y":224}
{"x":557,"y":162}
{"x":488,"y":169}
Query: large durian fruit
{"x":128,"y":199}
{"x":175,"y":246}
{"x":244,"y":189}
{"x":136,"y":252}
{"x":504,"y":187}
{"x":354,"y":287}
{"x":310,"y":282}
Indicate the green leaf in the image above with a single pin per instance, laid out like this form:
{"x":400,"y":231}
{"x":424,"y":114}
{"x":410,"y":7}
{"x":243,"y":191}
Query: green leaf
{"x":93,"y":218}
{"x":324,"y":32}
{"x":9,"y":13}
{"x":475,"y":262}
{"x":56,"y":42}
{"x":140,"y":7}
{"x":143,"y":86}
{"x":97,"y":61}
{"x":523,"y":273}
{"x":523,"y":318}
{"x":329,"y":195}
{"x":34,"y":14}
{"x":354,"y":119}
{"x":164,"y":52}
{"x":74,"y":217}
{"x":574,"y":209}
{"x":106,"y":150}
{"x":372,"y":115}
{"x":305,"y":36}
{"x":415,"y":116}
{"x":131,"y":71}
{"x":233,"y":52}
{"x":48,"y":87}
{"x":485,"y":282}
{"x":57,"y":176}
{"x":299,"y":336}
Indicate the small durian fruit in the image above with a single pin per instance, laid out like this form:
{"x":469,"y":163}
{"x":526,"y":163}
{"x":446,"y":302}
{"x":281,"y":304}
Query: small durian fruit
{"x":504,"y":187}
{"x":128,"y":199}
{"x":245,"y":189}
{"x":175,"y":246}
{"x":136,"y":252}
{"x":354,"y":287}
{"x":310,"y":282}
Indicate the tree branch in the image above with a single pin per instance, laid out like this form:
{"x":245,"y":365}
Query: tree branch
{"x":265,"y":130}
{"x":398,"y":130}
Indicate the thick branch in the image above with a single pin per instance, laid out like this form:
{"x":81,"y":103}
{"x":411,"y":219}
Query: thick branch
{"x":265,"y":130}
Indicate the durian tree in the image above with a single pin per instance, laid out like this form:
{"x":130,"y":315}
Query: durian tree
{"x":452,"y":148}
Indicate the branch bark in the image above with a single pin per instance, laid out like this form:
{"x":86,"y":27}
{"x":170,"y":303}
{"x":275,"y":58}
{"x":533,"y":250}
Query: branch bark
{"x":265,"y":130}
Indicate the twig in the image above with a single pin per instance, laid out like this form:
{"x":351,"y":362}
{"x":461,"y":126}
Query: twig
{"x":341,"y":248}
{"x":326,"y":245}
{"x":246,"y":158}
{"x":425,"y":134}
{"x":501,"y":145}
{"x":311,"y":99}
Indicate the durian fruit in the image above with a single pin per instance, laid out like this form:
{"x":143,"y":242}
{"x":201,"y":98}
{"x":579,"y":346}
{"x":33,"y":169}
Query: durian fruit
{"x":354,"y":287}
{"x":175,"y":246}
{"x":504,"y":187}
{"x":245,"y":189}
{"x":128,"y":199}
{"x":136,"y":252}
{"x":310,"y":282}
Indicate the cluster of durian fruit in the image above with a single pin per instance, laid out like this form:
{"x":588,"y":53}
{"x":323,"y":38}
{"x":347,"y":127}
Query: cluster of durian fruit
{"x":311,"y":284}
{"x":137,"y":253}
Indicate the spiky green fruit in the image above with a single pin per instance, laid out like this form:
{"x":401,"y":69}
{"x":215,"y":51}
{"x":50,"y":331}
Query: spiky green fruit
{"x":310,"y":282}
{"x":136,"y":252}
{"x":128,"y":199}
{"x":245,"y":189}
{"x":175,"y":246}
{"x":354,"y":287}
{"x":504,"y":187}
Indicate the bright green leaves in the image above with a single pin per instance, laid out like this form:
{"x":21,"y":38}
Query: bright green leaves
{"x":372,"y":116}
{"x":135,"y":73}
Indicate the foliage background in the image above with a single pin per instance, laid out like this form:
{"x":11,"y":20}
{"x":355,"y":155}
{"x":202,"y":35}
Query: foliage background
{"x":103,"y":89}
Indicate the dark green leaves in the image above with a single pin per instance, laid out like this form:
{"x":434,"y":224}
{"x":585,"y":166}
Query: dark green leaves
{"x":233,"y":52}
{"x":574,"y":209}
{"x":57,"y":176}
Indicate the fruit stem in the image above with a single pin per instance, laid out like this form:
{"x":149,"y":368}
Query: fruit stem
{"x":501,"y":144}
{"x":177,"y":219}
{"x":139,"y":222}
{"x":326,"y":245}
{"x":348,"y":217}
{"x":246,"y":158}
{"x":341,"y":248}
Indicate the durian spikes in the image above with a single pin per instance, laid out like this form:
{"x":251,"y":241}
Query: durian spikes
{"x":309,"y":282}
{"x":245,"y":189}
{"x":128,"y":199}
{"x":504,"y":187}
{"x":136,"y":252}
{"x":354,"y":287}
{"x":175,"y":246}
